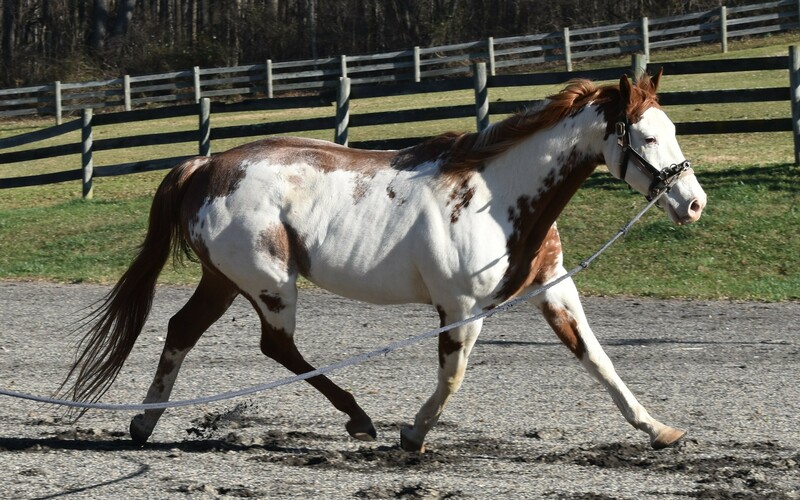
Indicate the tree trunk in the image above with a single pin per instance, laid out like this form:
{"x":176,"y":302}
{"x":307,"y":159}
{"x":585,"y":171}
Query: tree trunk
{"x":124,"y":16}
{"x":312,"y":27}
{"x":10,"y":14}
{"x":99,"y":23}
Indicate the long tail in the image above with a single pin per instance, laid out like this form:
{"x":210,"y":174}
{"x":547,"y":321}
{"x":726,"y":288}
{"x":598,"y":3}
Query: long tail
{"x":119,"y":320}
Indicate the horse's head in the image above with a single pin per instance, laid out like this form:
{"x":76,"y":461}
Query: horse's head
{"x":643,"y":151}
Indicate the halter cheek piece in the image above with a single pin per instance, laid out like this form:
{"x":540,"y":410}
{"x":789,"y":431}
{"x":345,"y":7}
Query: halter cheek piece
{"x":660,"y":180}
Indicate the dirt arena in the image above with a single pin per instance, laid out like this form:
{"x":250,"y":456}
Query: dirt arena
{"x":528,"y":422}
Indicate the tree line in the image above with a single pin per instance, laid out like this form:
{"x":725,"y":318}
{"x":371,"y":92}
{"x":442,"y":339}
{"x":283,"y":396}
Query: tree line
{"x":71,"y":40}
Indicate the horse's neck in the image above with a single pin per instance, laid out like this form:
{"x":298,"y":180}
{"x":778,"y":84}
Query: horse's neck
{"x":551,"y":164}
{"x":532,"y":184}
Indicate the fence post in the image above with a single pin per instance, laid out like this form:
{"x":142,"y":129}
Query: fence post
{"x":87,"y":164}
{"x":342,"y":111}
{"x":794,"y":83}
{"x":481,"y":96}
{"x":417,"y":70}
{"x":126,"y":91}
{"x":196,"y":83}
{"x":723,"y":28}
{"x":269,"y":78}
{"x":638,"y":66}
{"x":204,"y":138}
{"x":343,"y":65}
{"x":645,"y":29}
{"x":567,"y":50}
{"x":57,"y":100}
{"x":490,"y":53}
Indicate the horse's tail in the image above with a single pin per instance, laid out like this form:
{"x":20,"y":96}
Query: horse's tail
{"x":117,"y":322}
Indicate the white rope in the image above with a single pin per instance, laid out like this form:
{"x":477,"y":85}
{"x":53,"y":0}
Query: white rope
{"x":346,"y":362}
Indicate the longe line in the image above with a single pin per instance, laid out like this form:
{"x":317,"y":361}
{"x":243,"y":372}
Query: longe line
{"x":346,"y":362}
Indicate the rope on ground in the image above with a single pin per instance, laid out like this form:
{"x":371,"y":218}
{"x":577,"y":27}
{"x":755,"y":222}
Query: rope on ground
{"x":346,"y":362}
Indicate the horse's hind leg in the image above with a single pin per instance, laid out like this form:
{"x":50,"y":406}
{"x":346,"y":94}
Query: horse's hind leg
{"x":213,"y":296}
{"x":277,"y":311}
{"x":454,"y":349}
{"x":562,"y":309}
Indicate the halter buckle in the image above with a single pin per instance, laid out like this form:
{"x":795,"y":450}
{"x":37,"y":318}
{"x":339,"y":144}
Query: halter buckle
{"x":620,"y":129}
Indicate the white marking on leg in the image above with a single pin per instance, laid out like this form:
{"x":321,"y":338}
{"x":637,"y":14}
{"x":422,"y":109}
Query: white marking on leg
{"x":454,"y":355}
{"x":160,"y":389}
{"x":564,"y":297}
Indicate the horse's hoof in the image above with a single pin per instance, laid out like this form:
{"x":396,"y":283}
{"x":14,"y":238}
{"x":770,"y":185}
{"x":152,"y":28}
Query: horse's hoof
{"x":407,"y":443}
{"x":363,"y":431}
{"x":670,"y":436}
{"x":139,"y":434}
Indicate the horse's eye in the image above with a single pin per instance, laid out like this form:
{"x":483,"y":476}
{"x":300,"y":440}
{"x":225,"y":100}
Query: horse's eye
{"x":650,"y":141}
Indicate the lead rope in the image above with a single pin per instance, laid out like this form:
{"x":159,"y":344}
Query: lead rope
{"x":347,"y":362}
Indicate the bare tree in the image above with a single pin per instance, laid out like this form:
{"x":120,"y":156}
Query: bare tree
{"x":125,"y":10}
{"x":99,"y":23}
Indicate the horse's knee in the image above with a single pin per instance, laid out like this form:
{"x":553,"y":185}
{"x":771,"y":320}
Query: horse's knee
{"x":566,"y":328}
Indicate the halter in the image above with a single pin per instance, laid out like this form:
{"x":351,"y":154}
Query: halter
{"x":660,"y":180}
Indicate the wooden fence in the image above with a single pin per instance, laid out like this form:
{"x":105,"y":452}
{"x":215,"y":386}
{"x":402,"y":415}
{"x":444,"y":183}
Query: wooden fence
{"x":519,"y":53}
{"x":481,"y":82}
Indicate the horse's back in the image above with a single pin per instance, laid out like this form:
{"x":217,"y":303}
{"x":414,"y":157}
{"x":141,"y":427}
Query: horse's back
{"x":285,"y":206}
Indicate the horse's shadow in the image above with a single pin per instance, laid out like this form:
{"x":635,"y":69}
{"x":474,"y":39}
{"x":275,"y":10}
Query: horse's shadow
{"x":198,"y":446}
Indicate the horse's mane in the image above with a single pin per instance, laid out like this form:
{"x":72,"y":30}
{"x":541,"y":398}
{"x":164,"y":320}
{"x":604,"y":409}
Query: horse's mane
{"x":464,"y":152}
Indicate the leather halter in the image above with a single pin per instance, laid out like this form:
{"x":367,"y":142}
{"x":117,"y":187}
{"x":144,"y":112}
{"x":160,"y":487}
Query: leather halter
{"x":660,"y":180}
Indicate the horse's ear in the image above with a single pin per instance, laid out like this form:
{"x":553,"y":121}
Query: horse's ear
{"x":625,"y":91}
{"x":656,"y":79}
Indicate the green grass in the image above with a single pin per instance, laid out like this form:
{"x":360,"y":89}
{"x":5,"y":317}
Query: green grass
{"x":744,"y":247}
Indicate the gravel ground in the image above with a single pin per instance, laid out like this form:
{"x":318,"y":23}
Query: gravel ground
{"x":528,"y":422}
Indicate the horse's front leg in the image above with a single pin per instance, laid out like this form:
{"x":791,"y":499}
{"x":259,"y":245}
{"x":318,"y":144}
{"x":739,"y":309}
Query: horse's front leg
{"x":562,"y":309}
{"x":454,"y":348}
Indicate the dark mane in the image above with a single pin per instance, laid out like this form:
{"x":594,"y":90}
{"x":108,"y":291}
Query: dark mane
{"x":466,"y":152}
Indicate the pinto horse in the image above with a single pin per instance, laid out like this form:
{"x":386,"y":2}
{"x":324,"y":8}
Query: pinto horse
{"x":463,"y":222}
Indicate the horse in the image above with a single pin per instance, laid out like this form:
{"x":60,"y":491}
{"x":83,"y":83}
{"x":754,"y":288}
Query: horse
{"x":463,"y":222}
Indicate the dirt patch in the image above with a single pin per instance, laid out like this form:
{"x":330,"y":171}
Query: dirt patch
{"x":528,"y":422}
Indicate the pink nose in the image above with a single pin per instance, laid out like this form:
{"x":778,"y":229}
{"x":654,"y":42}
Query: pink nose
{"x":696,"y":209}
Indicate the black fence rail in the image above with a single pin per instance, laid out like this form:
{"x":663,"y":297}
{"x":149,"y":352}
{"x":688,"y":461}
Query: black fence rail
{"x":501,"y":55}
{"x":341,"y":121}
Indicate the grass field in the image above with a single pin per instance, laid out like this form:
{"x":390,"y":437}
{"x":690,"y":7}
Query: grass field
{"x":744,"y":247}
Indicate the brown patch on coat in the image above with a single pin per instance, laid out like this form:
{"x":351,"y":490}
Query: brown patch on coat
{"x":442,"y":316}
{"x":324,"y":156}
{"x":429,"y":150}
{"x":274,"y":241}
{"x":360,"y":187}
{"x":273,"y":302}
{"x":533,"y":219}
{"x":566,"y":328}
{"x":281,"y":242}
{"x":321,"y":155}
{"x":460,"y":197}
{"x":300,"y":261}
{"x":447,"y":345}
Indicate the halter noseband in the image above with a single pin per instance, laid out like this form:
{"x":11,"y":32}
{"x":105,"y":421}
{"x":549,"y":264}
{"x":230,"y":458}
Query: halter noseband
{"x":660,"y":180}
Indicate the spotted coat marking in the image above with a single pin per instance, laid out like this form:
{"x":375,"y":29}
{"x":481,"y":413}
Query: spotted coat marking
{"x":447,"y":345}
{"x":566,"y":328}
{"x":532,"y":220}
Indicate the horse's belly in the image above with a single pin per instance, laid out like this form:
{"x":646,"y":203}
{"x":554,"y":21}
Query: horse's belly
{"x":376,"y":287}
{"x":370,"y":274}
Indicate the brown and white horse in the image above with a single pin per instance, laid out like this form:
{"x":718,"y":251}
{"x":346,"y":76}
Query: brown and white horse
{"x":463,"y":222}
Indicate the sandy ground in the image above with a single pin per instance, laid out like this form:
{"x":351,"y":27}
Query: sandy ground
{"x":528,"y":423}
